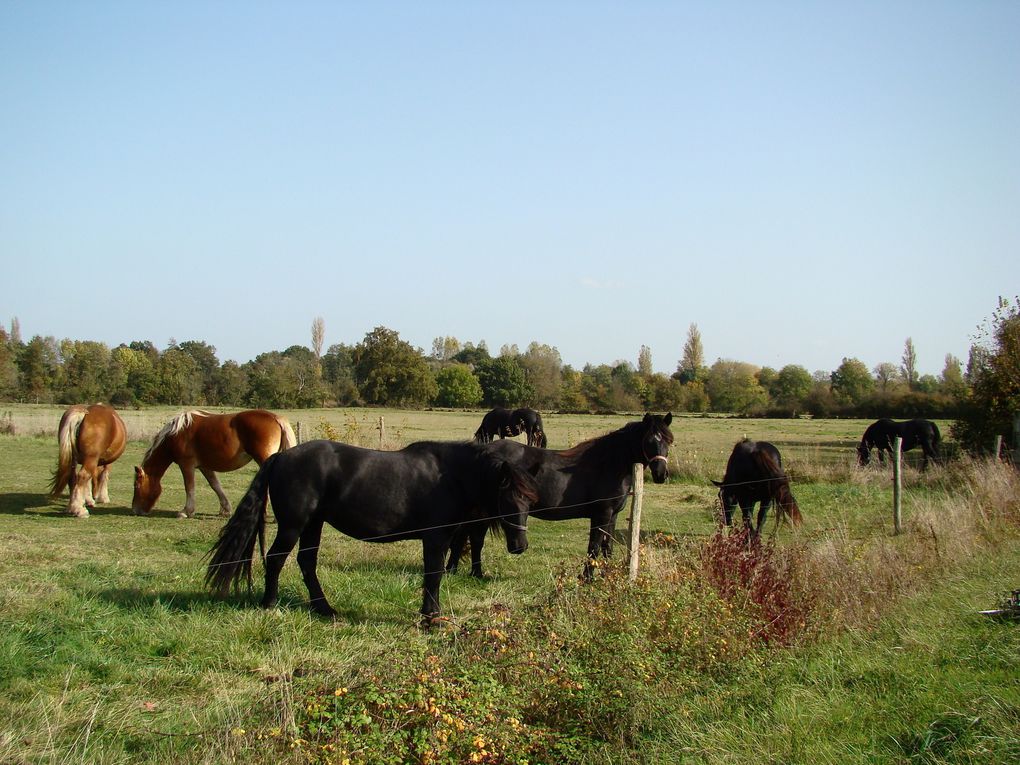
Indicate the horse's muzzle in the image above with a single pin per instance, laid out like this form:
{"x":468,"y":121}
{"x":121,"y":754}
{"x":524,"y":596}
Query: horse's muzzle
{"x":517,"y":545}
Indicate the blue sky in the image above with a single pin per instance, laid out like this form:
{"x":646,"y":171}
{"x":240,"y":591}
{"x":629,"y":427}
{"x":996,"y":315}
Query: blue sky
{"x":804,"y":180}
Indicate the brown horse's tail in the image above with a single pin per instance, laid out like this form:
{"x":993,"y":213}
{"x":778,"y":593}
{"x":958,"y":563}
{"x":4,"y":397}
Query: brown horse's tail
{"x":231,"y":557}
{"x":67,"y":436}
{"x":287,"y":438}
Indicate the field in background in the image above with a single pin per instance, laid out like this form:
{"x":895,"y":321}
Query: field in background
{"x":112,"y":651}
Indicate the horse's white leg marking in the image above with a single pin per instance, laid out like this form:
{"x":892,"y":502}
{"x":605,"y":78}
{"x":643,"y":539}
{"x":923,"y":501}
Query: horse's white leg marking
{"x":214,"y":482}
{"x":81,"y":491}
{"x":102,"y":493}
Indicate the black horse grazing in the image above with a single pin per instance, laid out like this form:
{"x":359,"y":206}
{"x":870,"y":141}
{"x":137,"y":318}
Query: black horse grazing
{"x":882,"y":434}
{"x":591,"y":480}
{"x":424,"y":491}
{"x":754,"y":473}
{"x":507,"y":423}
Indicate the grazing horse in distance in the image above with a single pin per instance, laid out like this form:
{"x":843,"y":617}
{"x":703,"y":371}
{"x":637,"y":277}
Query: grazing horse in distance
{"x":424,"y":491}
{"x":754,"y":473}
{"x":211,"y":443}
{"x":591,"y":480}
{"x":881,"y":435}
{"x":507,"y":423}
{"x":92,"y":437}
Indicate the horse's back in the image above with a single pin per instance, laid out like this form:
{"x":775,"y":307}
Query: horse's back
{"x":364,"y":493}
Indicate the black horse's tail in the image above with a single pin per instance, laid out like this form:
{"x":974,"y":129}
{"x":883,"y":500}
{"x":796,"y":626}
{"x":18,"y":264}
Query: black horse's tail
{"x":936,"y":436}
{"x":231,"y":557}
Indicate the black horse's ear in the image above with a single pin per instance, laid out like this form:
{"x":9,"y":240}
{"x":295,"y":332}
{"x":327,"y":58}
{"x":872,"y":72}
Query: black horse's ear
{"x":668,"y":418}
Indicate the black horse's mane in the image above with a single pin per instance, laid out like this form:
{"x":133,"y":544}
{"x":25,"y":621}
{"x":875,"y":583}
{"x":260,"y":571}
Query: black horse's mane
{"x":605,"y":449}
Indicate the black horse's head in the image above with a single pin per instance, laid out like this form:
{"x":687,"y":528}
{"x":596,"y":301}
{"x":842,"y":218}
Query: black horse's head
{"x":863,"y":454}
{"x":518,"y":493}
{"x":655,"y":442}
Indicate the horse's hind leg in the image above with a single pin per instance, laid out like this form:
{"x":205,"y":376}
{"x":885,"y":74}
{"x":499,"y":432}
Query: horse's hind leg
{"x":101,"y":488}
{"x":307,"y":558}
{"x":214,"y":482}
{"x":286,"y":538}
{"x":81,"y":493}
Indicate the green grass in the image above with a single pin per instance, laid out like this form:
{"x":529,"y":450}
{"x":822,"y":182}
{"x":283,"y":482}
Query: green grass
{"x":111,"y":651}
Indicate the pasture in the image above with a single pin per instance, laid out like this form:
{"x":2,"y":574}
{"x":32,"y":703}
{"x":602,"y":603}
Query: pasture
{"x":112,"y":651}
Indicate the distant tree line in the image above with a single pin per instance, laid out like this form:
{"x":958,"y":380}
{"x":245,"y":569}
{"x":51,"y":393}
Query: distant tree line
{"x":383,"y":370}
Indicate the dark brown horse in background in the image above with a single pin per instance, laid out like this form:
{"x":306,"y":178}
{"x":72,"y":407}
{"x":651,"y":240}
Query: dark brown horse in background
{"x":92,"y":437}
{"x":212,"y":443}
{"x":507,"y":423}
{"x":881,"y":435}
{"x":754,"y":473}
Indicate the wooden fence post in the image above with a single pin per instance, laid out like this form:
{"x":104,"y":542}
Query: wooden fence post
{"x":638,"y":488}
{"x":299,"y":434}
{"x":998,"y":448}
{"x":382,"y":431}
{"x":897,"y":461}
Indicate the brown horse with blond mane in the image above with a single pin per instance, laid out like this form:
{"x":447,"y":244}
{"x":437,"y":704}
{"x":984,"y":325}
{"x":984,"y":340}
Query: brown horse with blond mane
{"x":212,"y":443}
{"x":92,"y":437}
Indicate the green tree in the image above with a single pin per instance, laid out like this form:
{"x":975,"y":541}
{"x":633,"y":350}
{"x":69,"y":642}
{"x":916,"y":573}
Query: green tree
{"x":178,"y":379}
{"x":995,"y":386}
{"x":951,"y":381}
{"x":86,"y":366}
{"x":286,"y":380}
{"x":391,"y":372}
{"x":543,"y":368}
{"x":338,"y":375}
{"x":663,"y":394}
{"x":886,"y":375}
{"x":644,"y":364}
{"x":692,"y":364}
{"x":851,"y":382}
{"x":8,"y":367}
{"x":792,"y":385}
{"x":732,"y":386}
{"x":38,"y":366}
{"x":230,"y":384}
{"x":572,"y":398}
{"x":458,"y":386}
{"x":472,"y":354}
{"x":207,"y":365}
{"x":909,"y":366}
{"x":504,"y":382}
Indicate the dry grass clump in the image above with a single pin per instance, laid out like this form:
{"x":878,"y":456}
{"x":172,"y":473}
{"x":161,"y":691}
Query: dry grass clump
{"x":966,"y":507}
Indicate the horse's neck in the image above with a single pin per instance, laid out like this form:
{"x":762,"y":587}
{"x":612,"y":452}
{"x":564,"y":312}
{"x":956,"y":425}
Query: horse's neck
{"x":159,"y":459}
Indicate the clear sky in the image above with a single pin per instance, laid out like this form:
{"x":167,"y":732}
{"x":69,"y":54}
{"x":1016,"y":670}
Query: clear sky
{"x":805,"y":180}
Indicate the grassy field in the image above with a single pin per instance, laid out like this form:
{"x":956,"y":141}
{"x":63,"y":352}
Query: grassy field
{"x":112,"y":652}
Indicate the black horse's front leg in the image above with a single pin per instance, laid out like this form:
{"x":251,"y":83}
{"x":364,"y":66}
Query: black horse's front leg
{"x":434,"y":550}
{"x":477,"y":541}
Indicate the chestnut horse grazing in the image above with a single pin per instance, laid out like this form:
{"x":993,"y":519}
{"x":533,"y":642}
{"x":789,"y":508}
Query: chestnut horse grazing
{"x":212,"y":443}
{"x":93,"y":437}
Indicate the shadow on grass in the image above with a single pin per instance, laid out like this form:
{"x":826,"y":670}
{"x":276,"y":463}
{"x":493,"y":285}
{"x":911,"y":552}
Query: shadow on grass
{"x":134,"y":599}
{"x":42,"y":505}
